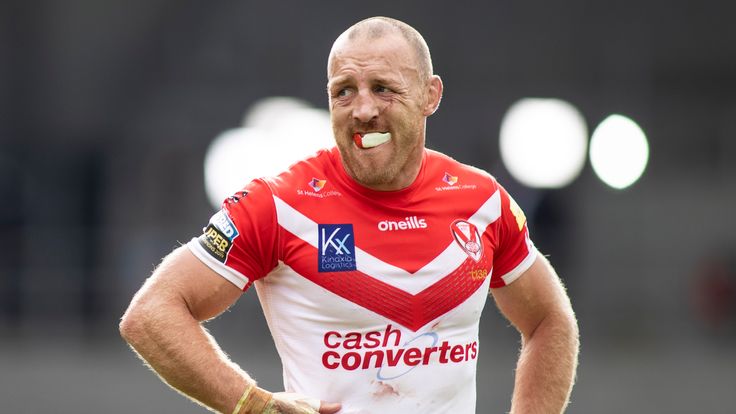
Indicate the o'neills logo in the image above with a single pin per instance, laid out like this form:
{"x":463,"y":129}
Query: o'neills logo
{"x":385,"y":351}
{"x":408,"y":223}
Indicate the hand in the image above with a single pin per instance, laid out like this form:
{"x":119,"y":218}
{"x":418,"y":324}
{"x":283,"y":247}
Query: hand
{"x":293,"y":403}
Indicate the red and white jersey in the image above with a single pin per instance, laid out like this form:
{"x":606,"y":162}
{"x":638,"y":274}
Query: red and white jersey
{"x":373,"y":298}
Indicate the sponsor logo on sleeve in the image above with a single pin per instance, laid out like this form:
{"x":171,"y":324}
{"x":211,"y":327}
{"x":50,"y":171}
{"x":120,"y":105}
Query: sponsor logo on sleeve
{"x":336,"y":248}
{"x":518,"y":213}
{"x":468,"y":238}
{"x":218,"y":237}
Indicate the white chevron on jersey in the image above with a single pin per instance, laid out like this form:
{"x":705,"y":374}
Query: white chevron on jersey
{"x":451,"y":258}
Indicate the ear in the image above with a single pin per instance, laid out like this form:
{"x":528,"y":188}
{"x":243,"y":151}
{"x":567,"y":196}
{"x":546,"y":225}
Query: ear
{"x":434,"y":95}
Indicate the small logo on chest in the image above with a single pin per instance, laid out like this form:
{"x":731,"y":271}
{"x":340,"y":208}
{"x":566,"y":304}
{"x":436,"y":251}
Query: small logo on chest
{"x":468,"y":237}
{"x":336,"y":248}
{"x":317,"y":184}
{"x":449,"y":179}
{"x":409,"y":223}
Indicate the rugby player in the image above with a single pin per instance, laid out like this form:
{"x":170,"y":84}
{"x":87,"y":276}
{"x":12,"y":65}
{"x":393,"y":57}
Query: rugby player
{"x":372,"y":261}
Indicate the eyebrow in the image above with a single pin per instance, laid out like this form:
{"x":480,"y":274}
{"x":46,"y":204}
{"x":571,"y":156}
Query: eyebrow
{"x":338,"y":80}
{"x":345,"y":79}
{"x":387,"y":81}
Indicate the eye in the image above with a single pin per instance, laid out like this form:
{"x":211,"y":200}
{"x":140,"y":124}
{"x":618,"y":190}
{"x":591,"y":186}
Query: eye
{"x":342,"y":92}
{"x":381,"y":89}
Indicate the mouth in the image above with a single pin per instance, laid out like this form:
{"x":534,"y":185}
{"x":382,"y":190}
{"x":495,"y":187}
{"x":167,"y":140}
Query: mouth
{"x":371,"y":139}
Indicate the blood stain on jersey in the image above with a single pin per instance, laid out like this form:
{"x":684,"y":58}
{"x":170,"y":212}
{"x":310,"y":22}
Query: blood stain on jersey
{"x":517,"y":212}
{"x":384,"y":390}
{"x":466,"y":235}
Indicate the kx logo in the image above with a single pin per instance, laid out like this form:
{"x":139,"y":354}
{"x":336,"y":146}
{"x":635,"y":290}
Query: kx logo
{"x":336,"y":248}
{"x":334,"y":242}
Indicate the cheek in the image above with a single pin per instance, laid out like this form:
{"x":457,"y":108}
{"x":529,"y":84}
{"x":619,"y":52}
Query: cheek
{"x":338,"y":118}
{"x":404,"y":119}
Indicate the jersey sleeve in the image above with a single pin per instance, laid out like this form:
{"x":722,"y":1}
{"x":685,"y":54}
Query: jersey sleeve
{"x":515,"y":251}
{"x":240,"y":242}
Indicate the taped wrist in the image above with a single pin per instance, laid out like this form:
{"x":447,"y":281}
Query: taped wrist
{"x":255,"y":400}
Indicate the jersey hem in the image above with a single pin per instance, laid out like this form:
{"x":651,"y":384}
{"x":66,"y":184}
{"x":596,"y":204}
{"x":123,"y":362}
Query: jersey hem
{"x":522,"y":267}
{"x":232,"y":275}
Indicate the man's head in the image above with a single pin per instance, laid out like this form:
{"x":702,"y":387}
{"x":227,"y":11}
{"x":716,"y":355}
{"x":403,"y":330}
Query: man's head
{"x":380,"y":80}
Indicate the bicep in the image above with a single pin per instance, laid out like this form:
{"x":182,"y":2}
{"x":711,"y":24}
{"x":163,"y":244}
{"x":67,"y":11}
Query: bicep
{"x":182,"y":279}
{"x":535,"y":295}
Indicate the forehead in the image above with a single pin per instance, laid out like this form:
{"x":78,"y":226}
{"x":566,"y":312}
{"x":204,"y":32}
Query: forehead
{"x":384,"y":56}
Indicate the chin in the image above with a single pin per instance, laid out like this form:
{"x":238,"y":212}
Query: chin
{"x":375,"y":176}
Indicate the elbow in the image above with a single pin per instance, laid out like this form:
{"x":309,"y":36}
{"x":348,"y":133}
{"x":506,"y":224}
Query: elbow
{"x":559,"y":327}
{"x":572,"y":323}
{"x":133,"y":323}
{"x":129,"y":326}
{"x":569,"y":333}
{"x":140,"y":315}
{"x":566,"y":324}
{"x":148,"y":314}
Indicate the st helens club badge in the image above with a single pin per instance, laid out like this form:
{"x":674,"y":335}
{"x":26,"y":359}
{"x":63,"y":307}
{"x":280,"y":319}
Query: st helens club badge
{"x":468,"y":237}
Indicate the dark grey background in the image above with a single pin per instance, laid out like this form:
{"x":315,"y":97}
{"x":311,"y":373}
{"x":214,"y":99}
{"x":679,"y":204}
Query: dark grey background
{"x":107,"y":108}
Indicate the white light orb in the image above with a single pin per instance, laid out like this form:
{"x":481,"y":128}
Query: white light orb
{"x":543,"y":142}
{"x":619,"y":151}
{"x":229,"y":162}
{"x":277,"y":133}
{"x":268,"y":112}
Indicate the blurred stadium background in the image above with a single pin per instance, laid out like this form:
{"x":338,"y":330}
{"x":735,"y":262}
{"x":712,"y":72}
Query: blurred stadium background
{"x":107,"y":109}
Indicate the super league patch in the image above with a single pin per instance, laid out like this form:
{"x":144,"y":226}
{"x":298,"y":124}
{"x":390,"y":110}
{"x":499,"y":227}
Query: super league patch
{"x":217,"y":238}
{"x":336,"y":248}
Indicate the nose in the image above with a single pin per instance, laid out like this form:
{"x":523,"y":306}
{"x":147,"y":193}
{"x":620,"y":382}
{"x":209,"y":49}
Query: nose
{"x":365,"y":107}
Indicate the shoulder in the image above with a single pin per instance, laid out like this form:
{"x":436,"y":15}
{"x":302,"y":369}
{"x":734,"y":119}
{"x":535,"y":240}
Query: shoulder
{"x":300,"y":173}
{"x":457,"y":174}
{"x":259,"y":193}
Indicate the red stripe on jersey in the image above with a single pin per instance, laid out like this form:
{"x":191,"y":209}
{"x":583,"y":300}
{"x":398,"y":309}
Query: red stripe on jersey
{"x":411,"y":311}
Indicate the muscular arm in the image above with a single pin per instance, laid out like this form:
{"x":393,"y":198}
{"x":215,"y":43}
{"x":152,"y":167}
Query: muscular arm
{"x":537,"y":305}
{"x":162,"y":324}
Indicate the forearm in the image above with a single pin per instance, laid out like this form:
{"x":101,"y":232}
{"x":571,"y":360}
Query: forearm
{"x":546,"y":368}
{"x":183,"y":354}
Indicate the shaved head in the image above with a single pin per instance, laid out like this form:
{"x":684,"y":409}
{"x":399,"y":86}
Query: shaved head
{"x":375,"y":28}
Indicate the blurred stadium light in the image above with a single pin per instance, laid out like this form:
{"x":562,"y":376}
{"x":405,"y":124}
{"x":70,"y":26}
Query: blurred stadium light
{"x":619,"y":151}
{"x":543,"y":142}
{"x":276,"y":132}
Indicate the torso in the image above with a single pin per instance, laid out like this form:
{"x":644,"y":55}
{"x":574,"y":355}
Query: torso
{"x":375,"y":297}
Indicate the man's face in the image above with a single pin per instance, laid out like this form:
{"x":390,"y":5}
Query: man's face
{"x":374,"y":86}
